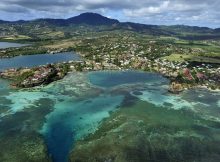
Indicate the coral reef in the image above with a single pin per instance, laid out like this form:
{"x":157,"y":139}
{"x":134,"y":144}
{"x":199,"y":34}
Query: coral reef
{"x":20,"y":140}
{"x":143,"y":132}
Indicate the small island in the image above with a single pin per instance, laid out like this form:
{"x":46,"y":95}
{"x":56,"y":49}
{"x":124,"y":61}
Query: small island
{"x":31,"y":77}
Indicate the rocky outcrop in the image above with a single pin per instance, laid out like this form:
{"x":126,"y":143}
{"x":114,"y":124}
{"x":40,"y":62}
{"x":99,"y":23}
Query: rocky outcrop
{"x":175,"y":88}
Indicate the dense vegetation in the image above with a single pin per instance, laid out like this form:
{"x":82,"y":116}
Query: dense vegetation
{"x":45,"y":29}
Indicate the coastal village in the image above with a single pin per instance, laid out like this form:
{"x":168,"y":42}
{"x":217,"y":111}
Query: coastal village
{"x":182,"y":76}
{"x":122,"y":54}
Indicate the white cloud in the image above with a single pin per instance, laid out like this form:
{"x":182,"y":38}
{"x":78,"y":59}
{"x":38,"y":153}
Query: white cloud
{"x":192,"y":12}
{"x":145,"y":11}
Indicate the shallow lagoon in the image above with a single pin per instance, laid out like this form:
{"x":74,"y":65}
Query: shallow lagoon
{"x":37,"y":60}
{"x":81,"y":101}
{"x":4,"y":45}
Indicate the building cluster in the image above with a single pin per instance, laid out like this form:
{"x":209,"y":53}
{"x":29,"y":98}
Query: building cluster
{"x":39,"y":76}
{"x":180,"y":72}
{"x":131,"y":53}
{"x":30,"y":77}
{"x":9,"y":73}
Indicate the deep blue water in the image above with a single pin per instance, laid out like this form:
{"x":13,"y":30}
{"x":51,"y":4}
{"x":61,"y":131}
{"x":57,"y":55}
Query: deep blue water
{"x":72,"y":120}
{"x":36,"y":60}
{"x":59,"y":141}
{"x":8,"y":45}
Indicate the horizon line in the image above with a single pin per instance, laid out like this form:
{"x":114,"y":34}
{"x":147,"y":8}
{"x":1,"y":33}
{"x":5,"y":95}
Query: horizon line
{"x":41,"y":18}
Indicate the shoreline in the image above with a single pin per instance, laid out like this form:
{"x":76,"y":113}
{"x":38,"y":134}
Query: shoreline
{"x":185,"y":86}
{"x":180,"y":76}
{"x":37,"y":76}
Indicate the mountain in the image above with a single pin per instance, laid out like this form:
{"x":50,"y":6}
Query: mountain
{"x":97,"y":22}
{"x":217,"y":30}
{"x":95,"y":19}
{"x":188,"y":29}
{"x":3,"y":22}
{"x":56,"y":22}
{"x":92,"y":19}
{"x":143,"y":28}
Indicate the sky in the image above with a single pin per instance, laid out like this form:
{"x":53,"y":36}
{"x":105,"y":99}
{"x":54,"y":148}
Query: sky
{"x":159,"y":12}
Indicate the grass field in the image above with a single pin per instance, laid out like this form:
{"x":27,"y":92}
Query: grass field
{"x":177,"y":57}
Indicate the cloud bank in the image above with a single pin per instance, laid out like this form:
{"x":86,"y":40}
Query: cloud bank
{"x":167,"y":12}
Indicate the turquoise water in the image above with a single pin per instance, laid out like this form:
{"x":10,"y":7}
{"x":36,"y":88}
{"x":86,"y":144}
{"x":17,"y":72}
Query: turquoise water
{"x":36,"y":60}
{"x":82,"y":100}
{"x":72,"y":120}
{"x":8,"y":45}
{"x":4,"y":84}
{"x":125,"y":77}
